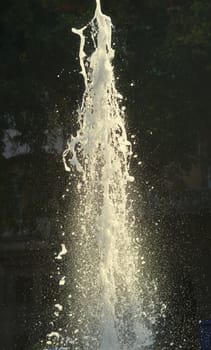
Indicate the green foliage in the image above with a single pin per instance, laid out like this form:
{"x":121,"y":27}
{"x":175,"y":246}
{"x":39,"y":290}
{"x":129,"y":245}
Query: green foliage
{"x":166,"y":54}
{"x":38,"y":54}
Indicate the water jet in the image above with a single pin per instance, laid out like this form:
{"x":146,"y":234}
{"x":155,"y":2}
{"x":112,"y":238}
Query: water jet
{"x":106,"y":313}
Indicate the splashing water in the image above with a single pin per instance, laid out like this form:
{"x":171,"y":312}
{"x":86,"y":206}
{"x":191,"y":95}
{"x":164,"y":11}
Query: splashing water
{"x":105,"y":308}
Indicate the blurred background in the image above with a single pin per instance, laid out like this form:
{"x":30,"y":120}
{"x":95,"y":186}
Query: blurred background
{"x":163,"y":70}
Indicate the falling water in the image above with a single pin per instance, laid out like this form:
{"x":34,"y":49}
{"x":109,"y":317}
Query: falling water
{"x":105,"y":305}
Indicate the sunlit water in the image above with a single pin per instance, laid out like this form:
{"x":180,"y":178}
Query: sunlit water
{"x":106,"y":307}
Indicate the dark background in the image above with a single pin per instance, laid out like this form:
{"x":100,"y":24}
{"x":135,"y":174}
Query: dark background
{"x":163,"y":65}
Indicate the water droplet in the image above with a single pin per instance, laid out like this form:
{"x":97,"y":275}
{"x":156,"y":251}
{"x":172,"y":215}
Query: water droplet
{"x":62,"y":281}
